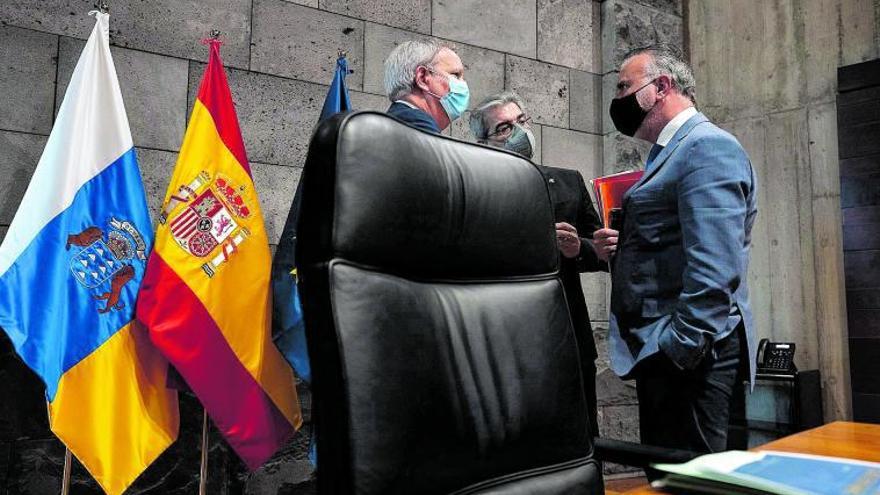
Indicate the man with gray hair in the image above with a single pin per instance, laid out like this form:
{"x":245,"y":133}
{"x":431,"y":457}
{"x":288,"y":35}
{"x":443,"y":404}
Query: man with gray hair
{"x":424,"y":79}
{"x":680,"y":321}
{"x":500,"y":121}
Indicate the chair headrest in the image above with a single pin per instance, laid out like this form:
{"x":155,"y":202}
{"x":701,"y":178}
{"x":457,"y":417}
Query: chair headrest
{"x":453,"y":210}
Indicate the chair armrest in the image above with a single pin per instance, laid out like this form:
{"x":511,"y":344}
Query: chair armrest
{"x":638,"y":455}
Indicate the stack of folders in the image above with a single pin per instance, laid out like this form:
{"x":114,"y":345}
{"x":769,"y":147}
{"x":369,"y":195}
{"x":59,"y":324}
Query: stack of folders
{"x":780,"y":473}
{"x":609,"y":191}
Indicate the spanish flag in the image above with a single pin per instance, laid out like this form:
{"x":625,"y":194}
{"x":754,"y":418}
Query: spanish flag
{"x":205,"y":297}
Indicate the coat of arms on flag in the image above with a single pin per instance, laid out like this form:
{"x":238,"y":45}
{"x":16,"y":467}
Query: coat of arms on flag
{"x":203,"y":216}
{"x":101,"y":260}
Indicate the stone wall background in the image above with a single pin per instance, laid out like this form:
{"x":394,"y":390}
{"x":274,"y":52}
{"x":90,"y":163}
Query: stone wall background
{"x":280,"y":57}
{"x":769,"y":75}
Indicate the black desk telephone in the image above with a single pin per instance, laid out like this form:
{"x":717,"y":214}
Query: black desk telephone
{"x":776,"y":357}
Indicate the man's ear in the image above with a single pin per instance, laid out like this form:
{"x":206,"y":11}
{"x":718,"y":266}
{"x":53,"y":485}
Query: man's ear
{"x":664,"y":84}
{"x":421,"y":78}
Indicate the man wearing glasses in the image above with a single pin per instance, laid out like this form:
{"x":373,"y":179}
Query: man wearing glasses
{"x":424,"y":79}
{"x":500,"y":121}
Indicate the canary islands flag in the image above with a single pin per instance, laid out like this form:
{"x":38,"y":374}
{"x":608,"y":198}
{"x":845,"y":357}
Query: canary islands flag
{"x":205,"y":297}
{"x":70,"y":267}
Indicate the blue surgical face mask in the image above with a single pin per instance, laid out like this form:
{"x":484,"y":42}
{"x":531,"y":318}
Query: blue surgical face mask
{"x":455,"y":102}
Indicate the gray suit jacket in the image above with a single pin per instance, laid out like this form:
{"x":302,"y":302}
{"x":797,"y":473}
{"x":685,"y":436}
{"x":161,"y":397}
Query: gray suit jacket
{"x":679,"y":278}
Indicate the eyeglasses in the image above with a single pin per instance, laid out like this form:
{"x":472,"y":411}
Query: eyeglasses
{"x":503,"y":129}
{"x":457,"y":75}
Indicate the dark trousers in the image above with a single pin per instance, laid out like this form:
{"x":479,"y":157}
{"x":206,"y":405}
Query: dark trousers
{"x":589,"y":371}
{"x":691,"y":409}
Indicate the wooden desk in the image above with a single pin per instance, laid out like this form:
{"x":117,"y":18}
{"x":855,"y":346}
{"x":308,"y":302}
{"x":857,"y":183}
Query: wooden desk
{"x":841,"y":439}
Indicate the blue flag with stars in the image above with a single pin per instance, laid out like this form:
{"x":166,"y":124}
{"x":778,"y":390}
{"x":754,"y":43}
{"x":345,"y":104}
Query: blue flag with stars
{"x":288,"y":329}
{"x":287,"y":320}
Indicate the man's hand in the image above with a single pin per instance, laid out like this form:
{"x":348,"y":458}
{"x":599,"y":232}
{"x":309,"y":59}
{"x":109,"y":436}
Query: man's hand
{"x":568,"y":240}
{"x":605,"y":243}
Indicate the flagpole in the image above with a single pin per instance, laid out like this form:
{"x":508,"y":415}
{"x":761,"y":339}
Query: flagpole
{"x":203,"y":470}
{"x":65,"y":478}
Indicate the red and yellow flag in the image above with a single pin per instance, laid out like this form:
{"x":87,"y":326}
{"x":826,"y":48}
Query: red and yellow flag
{"x":205,"y":297}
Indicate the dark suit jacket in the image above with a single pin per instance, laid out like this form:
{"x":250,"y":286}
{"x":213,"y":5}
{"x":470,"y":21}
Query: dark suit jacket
{"x":413,"y":117}
{"x":679,"y":278}
{"x":572,"y":204}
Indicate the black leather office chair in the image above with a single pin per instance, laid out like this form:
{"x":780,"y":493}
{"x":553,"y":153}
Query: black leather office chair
{"x":443,"y":356}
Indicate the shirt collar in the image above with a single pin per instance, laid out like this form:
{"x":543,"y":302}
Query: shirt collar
{"x":674,"y":125}
{"x":404,"y":102}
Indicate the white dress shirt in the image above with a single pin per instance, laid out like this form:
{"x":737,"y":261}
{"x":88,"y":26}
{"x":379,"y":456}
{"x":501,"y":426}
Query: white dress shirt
{"x":674,"y":125}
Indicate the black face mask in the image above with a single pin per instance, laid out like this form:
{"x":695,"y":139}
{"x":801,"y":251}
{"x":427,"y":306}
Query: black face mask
{"x":627,"y":114}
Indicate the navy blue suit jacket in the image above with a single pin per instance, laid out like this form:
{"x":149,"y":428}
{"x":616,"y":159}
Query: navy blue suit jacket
{"x":413,"y":117}
{"x":679,"y":278}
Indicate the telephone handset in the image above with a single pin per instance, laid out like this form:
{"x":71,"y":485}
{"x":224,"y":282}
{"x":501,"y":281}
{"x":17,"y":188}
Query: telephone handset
{"x":776,"y":357}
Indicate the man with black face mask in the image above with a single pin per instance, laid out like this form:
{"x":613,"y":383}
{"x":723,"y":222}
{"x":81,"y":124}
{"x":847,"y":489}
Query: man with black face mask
{"x":680,"y":320}
{"x":500,"y":121}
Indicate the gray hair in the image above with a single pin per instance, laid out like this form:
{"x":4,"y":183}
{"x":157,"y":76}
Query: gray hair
{"x":667,"y":60}
{"x":479,"y":126}
{"x":404,"y":59}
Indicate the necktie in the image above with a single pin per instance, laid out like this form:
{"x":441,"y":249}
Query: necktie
{"x":655,"y":150}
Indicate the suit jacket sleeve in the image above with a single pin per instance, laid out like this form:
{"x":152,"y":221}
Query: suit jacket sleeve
{"x":587,"y":223}
{"x":712,"y":208}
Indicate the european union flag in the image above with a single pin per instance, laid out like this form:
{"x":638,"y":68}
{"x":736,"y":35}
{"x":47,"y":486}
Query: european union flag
{"x":287,"y":320}
{"x":337,"y":98}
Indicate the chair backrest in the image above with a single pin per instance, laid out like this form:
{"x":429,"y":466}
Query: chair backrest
{"x":442,"y":351}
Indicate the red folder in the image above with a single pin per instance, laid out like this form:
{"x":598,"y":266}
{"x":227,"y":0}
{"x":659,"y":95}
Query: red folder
{"x":609,"y":191}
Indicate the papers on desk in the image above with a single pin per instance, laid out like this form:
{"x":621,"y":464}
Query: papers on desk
{"x":608,"y":192}
{"x":782,"y":473}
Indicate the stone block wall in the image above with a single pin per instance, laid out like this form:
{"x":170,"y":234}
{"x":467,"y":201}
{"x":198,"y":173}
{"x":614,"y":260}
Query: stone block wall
{"x":769,"y":76}
{"x":280,"y":57}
